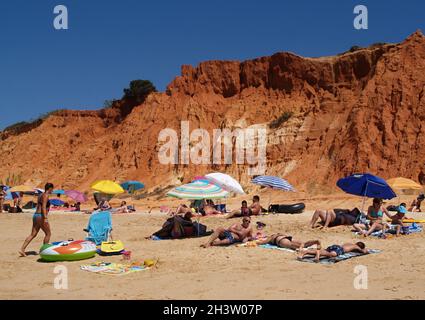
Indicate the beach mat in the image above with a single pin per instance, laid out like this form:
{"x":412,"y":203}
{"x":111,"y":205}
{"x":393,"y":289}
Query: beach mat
{"x":273,"y":247}
{"x":265,"y":246}
{"x":115,"y":269}
{"x":339,"y":258}
{"x":414,"y":228}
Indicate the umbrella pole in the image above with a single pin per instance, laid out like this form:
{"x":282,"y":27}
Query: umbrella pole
{"x":364,"y":196}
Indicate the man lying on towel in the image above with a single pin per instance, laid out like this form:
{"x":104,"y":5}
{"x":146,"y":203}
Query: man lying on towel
{"x":333,"y":251}
{"x":236,"y":233}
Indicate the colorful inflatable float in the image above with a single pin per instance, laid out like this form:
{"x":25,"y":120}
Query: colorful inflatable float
{"x":68,"y":250}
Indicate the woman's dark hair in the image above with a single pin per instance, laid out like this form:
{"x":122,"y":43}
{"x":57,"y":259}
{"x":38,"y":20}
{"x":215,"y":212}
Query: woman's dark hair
{"x":403,"y":204}
{"x":355,"y":212}
{"x":244,"y":202}
{"x":48,"y":186}
{"x":256,"y":198}
{"x":377,"y":200}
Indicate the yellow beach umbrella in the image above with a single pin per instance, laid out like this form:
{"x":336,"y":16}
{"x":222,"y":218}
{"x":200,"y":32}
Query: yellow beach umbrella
{"x":107,"y":186}
{"x":403,"y":184}
{"x":22,"y":188}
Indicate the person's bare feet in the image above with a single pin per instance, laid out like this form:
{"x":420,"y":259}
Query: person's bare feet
{"x":22,"y":253}
{"x":301,"y":254}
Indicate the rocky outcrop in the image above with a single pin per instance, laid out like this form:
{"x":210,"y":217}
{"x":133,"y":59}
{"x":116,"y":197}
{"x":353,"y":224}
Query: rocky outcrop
{"x":358,"y":111}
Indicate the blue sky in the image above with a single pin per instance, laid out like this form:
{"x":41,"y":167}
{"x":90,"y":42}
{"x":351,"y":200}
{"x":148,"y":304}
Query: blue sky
{"x":109,"y":43}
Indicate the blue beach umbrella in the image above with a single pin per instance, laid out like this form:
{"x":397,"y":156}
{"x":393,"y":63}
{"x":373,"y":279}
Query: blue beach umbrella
{"x":56,"y":202}
{"x":366,"y":185}
{"x":132,"y":186}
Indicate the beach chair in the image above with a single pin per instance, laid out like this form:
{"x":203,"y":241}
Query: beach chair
{"x":99,"y":227}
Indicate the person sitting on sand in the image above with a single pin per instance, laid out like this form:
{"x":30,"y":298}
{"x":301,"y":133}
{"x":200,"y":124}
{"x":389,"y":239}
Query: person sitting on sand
{"x":416,"y":204}
{"x":182,"y":209}
{"x":39,"y":219}
{"x":235,"y":233}
{"x":333,"y":251}
{"x":260,"y":234}
{"x":374,"y":218}
{"x":176,"y":227}
{"x":122,"y":208}
{"x":286,"y":241}
{"x":255,"y":207}
{"x":335,"y":217}
{"x":244,"y":211}
{"x":104,"y":206}
{"x":2,"y":197}
{"x":397,"y":219}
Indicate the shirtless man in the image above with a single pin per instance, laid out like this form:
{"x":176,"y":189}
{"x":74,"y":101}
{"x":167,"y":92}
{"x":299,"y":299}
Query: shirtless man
{"x":236,"y":233}
{"x":333,"y":251}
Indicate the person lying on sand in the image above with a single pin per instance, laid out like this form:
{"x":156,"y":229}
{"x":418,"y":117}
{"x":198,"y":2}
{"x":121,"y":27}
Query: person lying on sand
{"x":236,"y":233}
{"x":207,"y":208}
{"x":285,"y":241}
{"x":176,"y":227}
{"x":181,"y":210}
{"x":374,"y":219}
{"x":333,"y":251}
{"x":334,"y":217}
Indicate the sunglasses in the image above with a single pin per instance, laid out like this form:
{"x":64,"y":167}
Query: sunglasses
{"x":246,"y":220}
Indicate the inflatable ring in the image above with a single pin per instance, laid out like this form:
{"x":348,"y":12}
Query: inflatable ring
{"x":68,"y":250}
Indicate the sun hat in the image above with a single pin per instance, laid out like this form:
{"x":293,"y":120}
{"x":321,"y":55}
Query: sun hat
{"x":402,"y":209}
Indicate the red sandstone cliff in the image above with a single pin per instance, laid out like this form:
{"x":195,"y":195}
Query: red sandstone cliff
{"x":359,"y":111}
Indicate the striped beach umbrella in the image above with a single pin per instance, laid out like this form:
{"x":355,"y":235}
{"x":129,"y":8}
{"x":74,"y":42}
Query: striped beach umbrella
{"x":273,"y":182}
{"x":198,"y":190}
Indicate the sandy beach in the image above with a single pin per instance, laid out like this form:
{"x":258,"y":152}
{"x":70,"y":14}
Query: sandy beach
{"x":186,"y":271}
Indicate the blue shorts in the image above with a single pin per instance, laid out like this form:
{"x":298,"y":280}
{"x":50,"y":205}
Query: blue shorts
{"x":36,"y":216}
{"x":228,"y":235}
{"x":335,"y":248}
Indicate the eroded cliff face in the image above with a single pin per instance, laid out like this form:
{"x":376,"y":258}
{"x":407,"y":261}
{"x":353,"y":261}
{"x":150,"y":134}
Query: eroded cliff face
{"x":359,"y":111}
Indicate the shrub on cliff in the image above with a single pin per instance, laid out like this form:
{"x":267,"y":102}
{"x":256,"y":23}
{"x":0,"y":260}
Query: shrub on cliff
{"x":281,"y":120}
{"x":139,"y":90}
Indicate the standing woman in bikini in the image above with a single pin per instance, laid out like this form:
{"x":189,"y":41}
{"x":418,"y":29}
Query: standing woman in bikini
{"x":39,"y":220}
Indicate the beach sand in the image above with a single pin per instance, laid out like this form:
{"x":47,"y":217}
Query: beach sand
{"x":186,"y":271}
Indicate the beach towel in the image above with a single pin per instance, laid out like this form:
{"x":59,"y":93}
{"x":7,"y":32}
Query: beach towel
{"x":339,"y":258}
{"x":270,"y":246}
{"x":100,"y":227}
{"x":115,"y":269}
{"x":413,"y":228}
